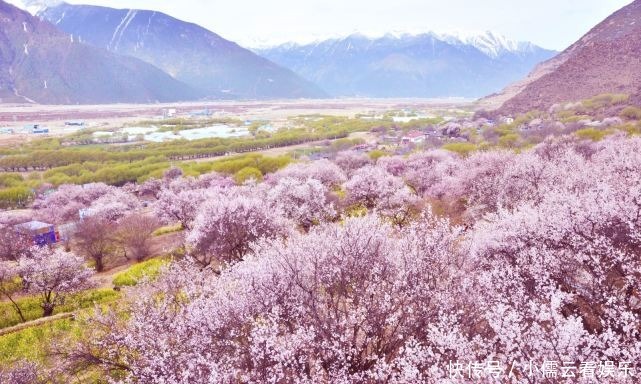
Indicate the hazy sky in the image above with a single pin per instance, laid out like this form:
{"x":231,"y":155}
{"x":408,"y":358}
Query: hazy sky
{"x":548,"y":23}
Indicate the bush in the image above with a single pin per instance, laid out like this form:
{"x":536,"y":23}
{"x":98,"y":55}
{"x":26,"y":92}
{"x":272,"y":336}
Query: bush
{"x":147,"y":269}
{"x":605,"y":100}
{"x":345,"y":144}
{"x":10,"y":180}
{"x":15,"y":197}
{"x":591,"y":134}
{"x":234,"y":164}
{"x":631,"y":113}
{"x":248,"y":173}
{"x":377,"y":154}
{"x":509,"y":141}
{"x":462,"y":149}
{"x":575,"y":118}
{"x":357,"y":210}
{"x":168,"y":229}
{"x":630,"y":129}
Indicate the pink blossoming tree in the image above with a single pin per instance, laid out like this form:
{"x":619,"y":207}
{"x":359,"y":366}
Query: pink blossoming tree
{"x":226,"y":227}
{"x":53,"y":274}
{"x":306,"y":202}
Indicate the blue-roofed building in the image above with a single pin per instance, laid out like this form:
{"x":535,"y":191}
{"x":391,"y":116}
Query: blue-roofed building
{"x":42,"y":233}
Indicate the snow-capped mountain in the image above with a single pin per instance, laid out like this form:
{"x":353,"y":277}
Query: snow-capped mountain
{"x":186,"y":51}
{"x":490,"y":43}
{"x":34,"y":6}
{"x":410,"y":65}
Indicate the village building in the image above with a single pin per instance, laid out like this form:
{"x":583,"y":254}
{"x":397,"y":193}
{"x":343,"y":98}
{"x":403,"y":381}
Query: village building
{"x":41,"y":233}
{"x":506,"y":120}
{"x":414,"y":137}
{"x":75,"y":123}
{"x":36,"y":129}
{"x":168,"y":113}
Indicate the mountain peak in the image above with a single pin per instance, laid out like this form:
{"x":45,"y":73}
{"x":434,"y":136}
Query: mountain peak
{"x":402,"y":64}
{"x":490,"y":43}
{"x":188,"y":52}
{"x":35,"y":6}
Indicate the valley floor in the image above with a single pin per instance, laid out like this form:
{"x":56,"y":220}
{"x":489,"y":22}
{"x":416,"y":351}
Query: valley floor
{"x":16,"y":116}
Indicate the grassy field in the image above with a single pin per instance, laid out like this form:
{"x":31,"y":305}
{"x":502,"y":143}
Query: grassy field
{"x":30,"y":306}
{"x":147,"y":269}
{"x":32,"y":343}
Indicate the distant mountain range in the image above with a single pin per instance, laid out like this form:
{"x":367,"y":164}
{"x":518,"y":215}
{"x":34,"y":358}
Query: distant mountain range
{"x":188,"y":52}
{"x":40,"y":64}
{"x":88,"y":54}
{"x":606,"y":60}
{"x":425,"y":65}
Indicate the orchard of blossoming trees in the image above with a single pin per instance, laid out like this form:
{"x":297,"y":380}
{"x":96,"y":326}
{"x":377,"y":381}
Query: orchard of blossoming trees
{"x":495,"y":267}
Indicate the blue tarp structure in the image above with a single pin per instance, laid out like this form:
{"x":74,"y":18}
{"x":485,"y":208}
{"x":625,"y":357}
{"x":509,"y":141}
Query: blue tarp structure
{"x":42,"y":233}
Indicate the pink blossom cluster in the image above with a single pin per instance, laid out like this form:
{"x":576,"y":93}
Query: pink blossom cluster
{"x":68,"y":201}
{"x":326,"y":172}
{"x":392,"y":272}
{"x":49,"y":274}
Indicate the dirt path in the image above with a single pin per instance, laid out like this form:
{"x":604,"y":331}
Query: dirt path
{"x":160,"y":245}
{"x":104,"y":280}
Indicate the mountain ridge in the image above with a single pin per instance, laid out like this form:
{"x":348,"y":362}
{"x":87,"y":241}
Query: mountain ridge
{"x":40,"y":64}
{"x":604,"y":60}
{"x":424,"y":65}
{"x":187,"y":51}
{"x":488,"y":41}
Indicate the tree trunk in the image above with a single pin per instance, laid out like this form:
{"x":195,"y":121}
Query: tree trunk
{"x":16,"y":307}
{"x":100,"y":266}
{"x":47,"y":309}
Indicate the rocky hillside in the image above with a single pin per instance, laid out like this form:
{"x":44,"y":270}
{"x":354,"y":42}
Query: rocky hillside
{"x":186,"y":51}
{"x":427,"y":65}
{"x":605,"y":60}
{"x":40,"y":64}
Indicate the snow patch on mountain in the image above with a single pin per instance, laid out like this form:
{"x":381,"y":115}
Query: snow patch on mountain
{"x":120,"y":30}
{"x":490,"y":43}
{"x":34,"y":6}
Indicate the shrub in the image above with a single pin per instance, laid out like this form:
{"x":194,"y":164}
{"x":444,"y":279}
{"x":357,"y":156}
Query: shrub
{"x":377,"y":154}
{"x":509,"y":141}
{"x":462,"y":149}
{"x":10,"y":179}
{"x":575,"y":118}
{"x":15,"y":197}
{"x":232,"y":165}
{"x":605,"y":100}
{"x":248,"y":173}
{"x":592,"y":134}
{"x":631,"y":113}
{"x":168,"y":229}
